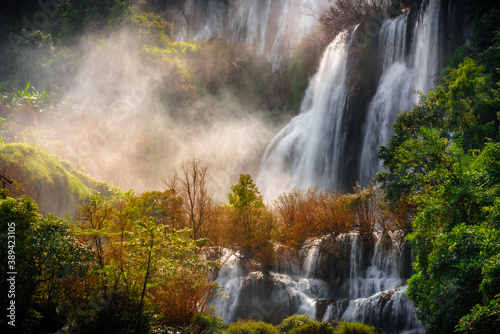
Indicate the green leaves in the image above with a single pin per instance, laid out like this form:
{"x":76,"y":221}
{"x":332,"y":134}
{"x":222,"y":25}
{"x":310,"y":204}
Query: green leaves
{"x":245,"y":194}
{"x":445,"y":158}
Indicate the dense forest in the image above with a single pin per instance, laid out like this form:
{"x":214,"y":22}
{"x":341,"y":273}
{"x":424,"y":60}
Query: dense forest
{"x":128,"y":152}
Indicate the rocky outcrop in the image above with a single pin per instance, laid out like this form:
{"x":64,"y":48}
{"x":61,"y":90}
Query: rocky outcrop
{"x":266,"y":297}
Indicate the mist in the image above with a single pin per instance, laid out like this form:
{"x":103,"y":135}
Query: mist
{"x":113,"y":124}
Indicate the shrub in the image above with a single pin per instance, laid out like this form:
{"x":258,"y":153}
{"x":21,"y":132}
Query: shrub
{"x":251,"y":327}
{"x":294,"y":321}
{"x":357,"y":328}
{"x":315,"y":327}
{"x":204,"y":323}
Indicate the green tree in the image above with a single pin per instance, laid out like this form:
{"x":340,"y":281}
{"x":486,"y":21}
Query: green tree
{"x":444,"y":158}
{"x":246,"y":195}
{"x":46,"y":257}
{"x":252,"y":223}
{"x":168,"y":273}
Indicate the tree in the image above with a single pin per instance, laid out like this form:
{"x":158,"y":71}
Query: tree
{"x":251,"y":223}
{"x":444,"y":160}
{"x":170,"y":276}
{"x":45,"y":255}
{"x":166,"y":207}
{"x":310,"y":214}
{"x":193,"y":187}
{"x":94,"y":229}
{"x":363,"y":205}
{"x":346,"y":14}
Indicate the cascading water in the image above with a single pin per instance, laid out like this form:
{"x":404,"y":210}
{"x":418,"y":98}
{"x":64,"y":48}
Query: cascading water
{"x":394,"y":94}
{"x":369,"y":289}
{"x":373,"y":289}
{"x":291,"y":288}
{"x":229,"y":281}
{"x":390,"y":310}
{"x":326,"y":147}
{"x":299,"y":155}
{"x":272,"y":27}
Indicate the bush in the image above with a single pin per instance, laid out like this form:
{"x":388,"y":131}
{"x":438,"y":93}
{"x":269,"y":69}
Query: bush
{"x":482,"y":319}
{"x":315,"y":327}
{"x":251,"y":327}
{"x":294,"y":321}
{"x":357,"y":328}
{"x":204,"y":323}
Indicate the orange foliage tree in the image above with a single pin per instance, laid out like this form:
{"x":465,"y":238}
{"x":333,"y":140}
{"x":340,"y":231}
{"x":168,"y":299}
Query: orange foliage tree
{"x":310,"y":214}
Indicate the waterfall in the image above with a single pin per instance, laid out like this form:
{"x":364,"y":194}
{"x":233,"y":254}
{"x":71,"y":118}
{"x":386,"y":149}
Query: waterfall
{"x":229,"y":280}
{"x":331,"y":144}
{"x":271,"y":27}
{"x":390,"y":310}
{"x":426,"y":48}
{"x":334,"y":141}
{"x":299,"y":155}
{"x":380,"y":274}
{"x":373,"y":289}
{"x":290,"y":289}
{"x":395,"y":91}
{"x":369,"y":289}
{"x":393,"y":95}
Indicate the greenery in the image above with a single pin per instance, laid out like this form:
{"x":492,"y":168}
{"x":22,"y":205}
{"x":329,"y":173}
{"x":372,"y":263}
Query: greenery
{"x":251,"y":327}
{"x":51,"y":181}
{"x":143,"y":263}
{"x":314,"y":327}
{"x":47,"y":256}
{"x":294,"y":321}
{"x":443,"y":158}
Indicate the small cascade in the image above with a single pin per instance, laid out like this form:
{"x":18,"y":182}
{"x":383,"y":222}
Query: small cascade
{"x":370,"y":287}
{"x":312,"y":258}
{"x":361,"y":282}
{"x":371,"y":270}
{"x":373,"y":292}
{"x":390,"y":310}
{"x":229,"y":280}
{"x":290,"y":289}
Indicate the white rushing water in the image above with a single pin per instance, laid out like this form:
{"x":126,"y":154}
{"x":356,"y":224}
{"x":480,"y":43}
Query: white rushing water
{"x":395,"y":92}
{"x":312,"y":150}
{"x":229,"y":280}
{"x":390,"y":309}
{"x":293,"y":287}
{"x":272,"y":27}
{"x":381,"y":273}
{"x":299,"y":155}
{"x":372,"y":290}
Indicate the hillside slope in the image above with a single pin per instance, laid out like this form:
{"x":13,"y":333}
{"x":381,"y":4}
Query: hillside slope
{"x":53,"y":182}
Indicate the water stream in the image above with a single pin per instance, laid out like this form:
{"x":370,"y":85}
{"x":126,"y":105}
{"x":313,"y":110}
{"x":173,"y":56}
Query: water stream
{"x":370,"y":290}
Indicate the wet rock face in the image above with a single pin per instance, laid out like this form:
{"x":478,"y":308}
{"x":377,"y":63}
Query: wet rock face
{"x":321,"y":308}
{"x":265,"y":297}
